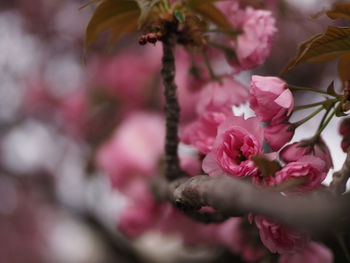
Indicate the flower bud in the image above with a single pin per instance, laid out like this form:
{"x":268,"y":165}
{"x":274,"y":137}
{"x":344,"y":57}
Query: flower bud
{"x":152,"y":38}
{"x":344,"y":128}
{"x":142,"y":40}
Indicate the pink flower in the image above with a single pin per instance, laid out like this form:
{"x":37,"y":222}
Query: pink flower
{"x":134,"y":150}
{"x":295,"y":151}
{"x":270,"y":99}
{"x":189,"y":83}
{"x":278,"y":135}
{"x":142,"y":214}
{"x":254,"y":45}
{"x":312,"y":253}
{"x":129,"y":76}
{"x":237,"y":140}
{"x":233,"y":235}
{"x":222,"y":96}
{"x":344,"y":127}
{"x":37,"y":96}
{"x":278,"y":238}
{"x":74,"y":109}
{"x":172,"y":221}
{"x":190,"y":164}
{"x":308,"y":169}
{"x":202,"y":132}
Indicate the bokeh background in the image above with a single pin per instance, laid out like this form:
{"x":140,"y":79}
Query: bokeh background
{"x":58,"y":107}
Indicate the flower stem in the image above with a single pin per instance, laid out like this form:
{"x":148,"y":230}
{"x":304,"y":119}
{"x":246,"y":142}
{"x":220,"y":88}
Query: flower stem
{"x":296,"y":88}
{"x":303,"y":107}
{"x":209,"y":67}
{"x":298,"y":123}
{"x":325,"y":115}
{"x":172,"y":112}
{"x":325,"y":124}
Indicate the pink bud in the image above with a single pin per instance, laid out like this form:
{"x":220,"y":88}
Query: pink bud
{"x":142,"y":40}
{"x":270,"y":99}
{"x":312,"y":253}
{"x":278,"y":238}
{"x":344,"y":128}
{"x":278,"y":135}
{"x":295,"y":151}
{"x":152,"y":38}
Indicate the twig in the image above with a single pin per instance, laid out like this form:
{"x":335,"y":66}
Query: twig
{"x":172,"y":111}
{"x":340,"y":178}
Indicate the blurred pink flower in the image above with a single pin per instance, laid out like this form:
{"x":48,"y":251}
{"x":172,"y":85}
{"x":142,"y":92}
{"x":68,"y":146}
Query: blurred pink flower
{"x":134,"y":150}
{"x":295,"y":151}
{"x":201,"y":133}
{"x":270,"y":99}
{"x":278,"y":238}
{"x":231,"y":234}
{"x":74,"y":110}
{"x":189,"y":83}
{"x":190,"y":164}
{"x":221,"y":96}
{"x":37,"y":97}
{"x":253,"y":45}
{"x":278,"y":135}
{"x":312,"y":253}
{"x":309,"y":169}
{"x":237,"y":140}
{"x":143,"y":213}
{"x":129,"y":76}
{"x":193,"y":233}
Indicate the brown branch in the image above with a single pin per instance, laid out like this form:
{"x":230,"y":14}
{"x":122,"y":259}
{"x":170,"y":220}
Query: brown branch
{"x":319,"y":211}
{"x":340,"y":178}
{"x":172,"y":111}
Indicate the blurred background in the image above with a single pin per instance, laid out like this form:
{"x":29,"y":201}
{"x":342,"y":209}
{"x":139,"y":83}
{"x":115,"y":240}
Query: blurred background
{"x":57,"y":109}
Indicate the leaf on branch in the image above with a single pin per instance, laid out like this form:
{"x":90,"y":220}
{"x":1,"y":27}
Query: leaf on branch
{"x":331,"y":90}
{"x":344,"y":68}
{"x":119,"y":16}
{"x":334,"y":43}
{"x":339,"y":10}
{"x":145,"y":7}
{"x":266,"y":166}
{"x":90,"y":3}
{"x":206,"y":9}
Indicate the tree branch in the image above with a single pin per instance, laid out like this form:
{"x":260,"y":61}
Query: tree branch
{"x":172,"y":111}
{"x":340,"y":178}
{"x":232,"y":197}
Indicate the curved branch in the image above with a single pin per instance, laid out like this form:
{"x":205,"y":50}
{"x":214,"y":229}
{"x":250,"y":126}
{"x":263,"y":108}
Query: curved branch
{"x":230,"y":196}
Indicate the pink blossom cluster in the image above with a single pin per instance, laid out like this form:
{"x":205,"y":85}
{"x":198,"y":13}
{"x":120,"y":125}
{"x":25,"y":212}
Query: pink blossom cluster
{"x":228,"y":144}
{"x":257,"y":28}
{"x":225,"y":144}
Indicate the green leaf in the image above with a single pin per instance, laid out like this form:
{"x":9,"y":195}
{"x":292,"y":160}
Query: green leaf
{"x":210,"y":12}
{"x":179,"y":16}
{"x":334,"y":43}
{"x":90,"y":3}
{"x":339,"y":112}
{"x":120,"y":16}
{"x":344,"y":68}
{"x":145,"y":7}
{"x":331,"y":90}
{"x":266,"y":166}
{"x":339,"y":10}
